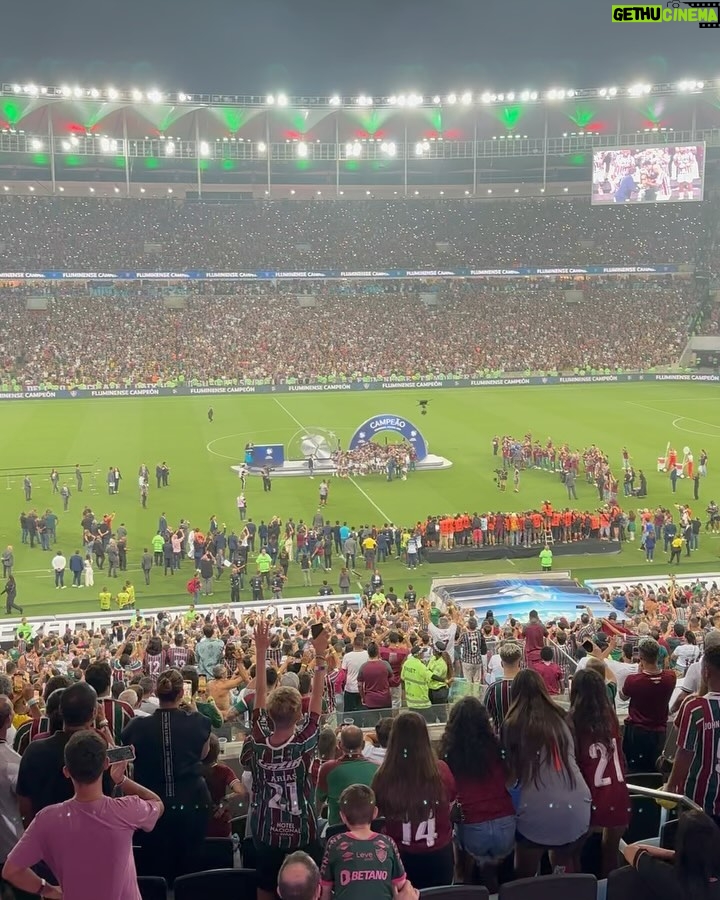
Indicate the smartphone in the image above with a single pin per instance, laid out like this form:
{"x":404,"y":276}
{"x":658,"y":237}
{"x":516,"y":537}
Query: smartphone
{"x":202,"y":683}
{"x":316,"y":629}
{"x":588,"y":646}
{"x":36,"y":695}
{"x":18,"y":684}
{"x":187,"y":690}
{"x":120,"y":754}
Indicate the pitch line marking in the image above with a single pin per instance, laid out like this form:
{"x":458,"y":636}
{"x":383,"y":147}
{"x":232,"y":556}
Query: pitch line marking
{"x":668,"y":412}
{"x":691,"y":431}
{"x":351,"y":480}
{"x":226,"y":437}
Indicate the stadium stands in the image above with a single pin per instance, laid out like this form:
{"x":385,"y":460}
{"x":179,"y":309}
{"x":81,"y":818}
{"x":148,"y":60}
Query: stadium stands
{"x":67,"y":233}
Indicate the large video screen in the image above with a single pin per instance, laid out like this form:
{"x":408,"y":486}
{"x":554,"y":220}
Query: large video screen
{"x":649,"y":174}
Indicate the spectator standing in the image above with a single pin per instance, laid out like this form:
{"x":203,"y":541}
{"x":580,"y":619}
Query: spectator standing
{"x":117,"y":714}
{"x":67,"y":836}
{"x":11,"y":827}
{"x":473,"y":650}
{"x":554,"y":807}
{"x":595,"y":728}
{"x":414,"y":792}
{"x":209,"y":651}
{"x":338,"y":774}
{"x":649,"y":693}
{"x":484,"y":832}
{"x":395,"y":654}
{"x":374,"y":681}
{"x":169,"y":747}
{"x":352,"y":663}
{"x":498,"y":698}
{"x":279,"y":755}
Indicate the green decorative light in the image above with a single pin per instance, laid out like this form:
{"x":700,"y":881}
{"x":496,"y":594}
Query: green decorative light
{"x":12,"y":111}
{"x":41,"y":159}
{"x":579,"y":159}
{"x":302,"y":164}
{"x":582,"y":116}
{"x":234,"y":119}
{"x":119,"y":162}
{"x":653,"y":113}
{"x":511,"y":115}
{"x":152,"y":163}
{"x":204,"y":165}
{"x":352,"y":165}
{"x":228,"y":164}
{"x":74,"y":161}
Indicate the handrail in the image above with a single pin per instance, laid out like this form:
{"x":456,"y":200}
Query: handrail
{"x":664,"y":795}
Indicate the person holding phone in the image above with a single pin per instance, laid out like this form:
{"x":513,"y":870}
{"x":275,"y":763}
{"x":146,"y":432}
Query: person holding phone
{"x":169,"y":747}
{"x":66,"y":835}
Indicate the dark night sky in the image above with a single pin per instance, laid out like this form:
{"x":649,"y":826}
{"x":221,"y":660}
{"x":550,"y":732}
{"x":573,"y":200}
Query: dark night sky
{"x":323,"y":46}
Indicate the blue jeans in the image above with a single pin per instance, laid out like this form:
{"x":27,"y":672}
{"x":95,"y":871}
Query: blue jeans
{"x":487,"y":842}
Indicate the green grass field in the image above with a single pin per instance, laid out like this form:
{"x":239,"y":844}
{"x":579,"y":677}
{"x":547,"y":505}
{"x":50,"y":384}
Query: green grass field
{"x":38,"y":435}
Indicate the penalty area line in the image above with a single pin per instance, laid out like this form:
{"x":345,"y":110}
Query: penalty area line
{"x":351,"y":480}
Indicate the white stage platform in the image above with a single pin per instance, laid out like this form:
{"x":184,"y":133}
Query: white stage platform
{"x":295,"y":468}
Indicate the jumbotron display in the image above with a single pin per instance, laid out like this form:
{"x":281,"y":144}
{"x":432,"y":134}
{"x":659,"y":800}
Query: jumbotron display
{"x":649,"y":174}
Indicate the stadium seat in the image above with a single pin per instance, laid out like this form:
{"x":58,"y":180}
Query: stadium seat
{"x":551,"y":887}
{"x":217,"y":853}
{"x":456,"y":892}
{"x":221,"y":884}
{"x":646,"y":779}
{"x":626,"y":884}
{"x":668,"y":834}
{"x":645,"y":819}
{"x":152,"y":888}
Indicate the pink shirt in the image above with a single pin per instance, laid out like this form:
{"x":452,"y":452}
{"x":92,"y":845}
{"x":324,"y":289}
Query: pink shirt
{"x":88,"y":846}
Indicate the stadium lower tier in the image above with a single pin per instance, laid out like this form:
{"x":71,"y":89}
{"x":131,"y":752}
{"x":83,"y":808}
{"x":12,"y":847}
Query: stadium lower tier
{"x":501,"y":551}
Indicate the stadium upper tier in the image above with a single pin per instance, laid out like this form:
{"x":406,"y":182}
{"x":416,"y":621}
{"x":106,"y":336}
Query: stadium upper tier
{"x":125,"y":334}
{"x":90,"y":234}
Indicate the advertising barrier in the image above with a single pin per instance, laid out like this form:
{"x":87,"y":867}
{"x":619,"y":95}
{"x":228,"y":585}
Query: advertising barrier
{"x":31,"y":393}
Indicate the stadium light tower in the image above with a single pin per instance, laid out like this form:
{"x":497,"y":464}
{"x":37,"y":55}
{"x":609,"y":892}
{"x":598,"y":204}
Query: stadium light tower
{"x":335,"y":100}
{"x":302,"y":150}
{"x":282,"y":100}
{"x":112,"y":94}
{"x":466,"y":98}
{"x":169,"y":148}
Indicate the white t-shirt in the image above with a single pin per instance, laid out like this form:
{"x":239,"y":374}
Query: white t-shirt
{"x":686,"y":654}
{"x":446,"y":635}
{"x":352,"y":663}
{"x":373,"y":753}
{"x":494,"y":669}
{"x":691,"y":681}
{"x":58,"y":562}
{"x":622,"y":670}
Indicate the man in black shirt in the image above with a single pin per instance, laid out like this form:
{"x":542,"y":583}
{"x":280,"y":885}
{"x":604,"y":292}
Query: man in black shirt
{"x":325,"y":590}
{"x":234,"y":585}
{"x":410,"y":597}
{"x":41,"y":781}
{"x":256,"y":585}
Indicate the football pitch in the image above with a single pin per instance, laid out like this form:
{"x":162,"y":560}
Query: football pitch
{"x":460,"y":424}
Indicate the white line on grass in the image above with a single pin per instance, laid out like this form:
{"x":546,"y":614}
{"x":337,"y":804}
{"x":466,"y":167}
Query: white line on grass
{"x":369,"y":499}
{"x":676,"y":418}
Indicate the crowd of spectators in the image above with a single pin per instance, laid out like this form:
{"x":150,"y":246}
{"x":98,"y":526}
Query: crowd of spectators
{"x":91,"y":235}
{"x":258,"y":333}
{"x":534,"y":701}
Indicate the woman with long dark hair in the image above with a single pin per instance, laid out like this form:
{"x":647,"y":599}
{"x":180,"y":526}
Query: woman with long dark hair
{"x":414,"y":792}
{"x":554,"y":807}
{"x":169,"y":748}
{"x":599,"y":754}
{"x":691,"y":871}
{"x":485,"y":817}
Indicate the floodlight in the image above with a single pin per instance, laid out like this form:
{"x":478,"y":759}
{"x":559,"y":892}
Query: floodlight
{"x":92,"y":190}
{"x":261,"y":148}
{"x":282,"y":100}
{"x":32,"y":89}
{"x":511,"y":97}
{"x":367,"y":193}
{"x":466,"y":98}
{"x":517,"y":190}
{"x":170,"y":148}
{"x":36,"y":144}
{"x":335,"y":100}
{"x":61,"y":189}
{"x":6,"y":188}
{"x":392,"y":100}
{"x":467,"y":193}
{"x":525,"y":96}
{"x":142,"y":190}
{"x":415,"y":100}
{"x":65,"y":145}
{"x":204,"y":148}
{"x":570,"y":93}
{"x":154,"y":96}
{"x":501,"y":97}
{"x":31,"y":188}
{"x":117,"y":190}
{"x":452,"y":99}
{"x":65,"y":91}
{"x":442,"y":193}
{"x":542,"y":190}
{"x":487,"y":97}
{"x":170,"y":190}
{"x":292,"y":191}
{"x":416,"y":193}
{"x":182,"y":97}
{"x":74,"y":142}
{"x":302,"y":150}
{"x":112,"y":94}
{"x":436,"y":99}
{"x":137,"y":96}
{"x":489,"y":190}
{"x":565,"y":190}
{"x":389,"y":148}
{"x":612,"y":92}
{"x":77,"y":92}
{"x":533,"y":95}
{"x":94,"y":93}
{"x":422,"y":147}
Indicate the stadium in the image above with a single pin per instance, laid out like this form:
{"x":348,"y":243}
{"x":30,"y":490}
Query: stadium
{"x":386,"y":373}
